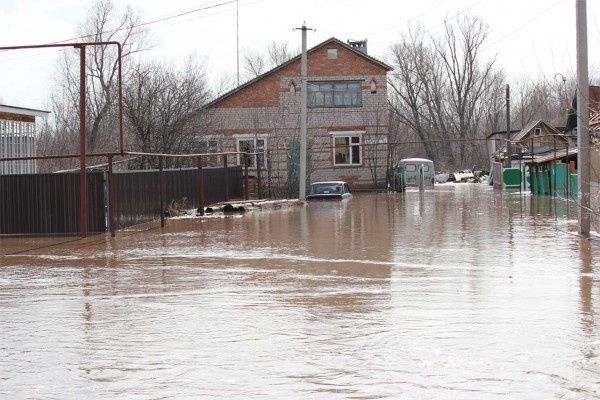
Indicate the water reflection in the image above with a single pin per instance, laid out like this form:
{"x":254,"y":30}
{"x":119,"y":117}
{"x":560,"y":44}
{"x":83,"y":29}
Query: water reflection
{"x":461,"y":292}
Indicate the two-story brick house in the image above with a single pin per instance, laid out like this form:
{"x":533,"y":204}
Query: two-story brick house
{"x":347,"y":118}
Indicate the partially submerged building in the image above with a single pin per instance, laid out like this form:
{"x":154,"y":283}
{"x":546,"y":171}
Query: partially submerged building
{"x":18,"y":135}
{"x":347,"y":118}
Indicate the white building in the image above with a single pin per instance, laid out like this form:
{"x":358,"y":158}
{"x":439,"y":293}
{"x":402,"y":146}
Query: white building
{"x":18,"y":138}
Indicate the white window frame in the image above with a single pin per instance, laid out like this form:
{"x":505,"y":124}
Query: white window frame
{"x":207,"y":139}
{"x":350,"y":135}
{"x":537,"y":132}
{"x":254,"y":138}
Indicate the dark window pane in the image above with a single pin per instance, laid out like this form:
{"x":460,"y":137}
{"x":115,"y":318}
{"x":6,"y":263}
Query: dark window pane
{"x":342,"y":153}
{"x":355,"y":155}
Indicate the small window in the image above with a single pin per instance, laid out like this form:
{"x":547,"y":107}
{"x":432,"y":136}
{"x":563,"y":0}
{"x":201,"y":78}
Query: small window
{"x":373,"y":86}
{"x":346,"y":150}
{"x":410,"y":168}
{"x":209,"y":146}
{"x":331,"y":54}
{"x":537,"y":132}
{"x":252,"y":145}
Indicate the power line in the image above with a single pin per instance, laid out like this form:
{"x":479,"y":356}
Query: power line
{"x":146,"y":23}
{"x":544,"y":11}
{"x":410,"y":19}
{"x":178,"y":15}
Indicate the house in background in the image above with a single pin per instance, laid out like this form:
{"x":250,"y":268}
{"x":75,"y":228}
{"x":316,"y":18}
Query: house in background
{"x":538,"y":138}
{"x":347,"y":118}
{"x":18,"y":133}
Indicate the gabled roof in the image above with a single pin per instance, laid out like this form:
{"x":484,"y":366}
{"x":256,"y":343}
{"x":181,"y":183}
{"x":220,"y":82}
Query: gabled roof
{"x":297,"y":58}
{"x":530,"y":126}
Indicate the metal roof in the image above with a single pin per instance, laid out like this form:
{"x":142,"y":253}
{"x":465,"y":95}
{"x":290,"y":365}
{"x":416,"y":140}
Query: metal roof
{"x":550,"y":156}
{"x":23,"y":111}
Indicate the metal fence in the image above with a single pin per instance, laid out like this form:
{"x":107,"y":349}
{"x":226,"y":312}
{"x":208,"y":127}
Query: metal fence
{"x":138,"y":197}
{"x":49,"y":204}
{"x":45,"y":204}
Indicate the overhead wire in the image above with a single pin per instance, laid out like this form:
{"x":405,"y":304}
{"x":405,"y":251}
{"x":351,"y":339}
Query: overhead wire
{"x":142,"y":24}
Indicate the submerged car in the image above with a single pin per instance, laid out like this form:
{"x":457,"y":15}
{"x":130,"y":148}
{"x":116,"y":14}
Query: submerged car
{"x":335,"y":190}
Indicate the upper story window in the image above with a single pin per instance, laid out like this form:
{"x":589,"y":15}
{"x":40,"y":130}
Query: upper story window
{"x":335,"y":94}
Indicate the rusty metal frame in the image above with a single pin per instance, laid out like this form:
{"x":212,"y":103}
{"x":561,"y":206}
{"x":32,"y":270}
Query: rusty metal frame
{"x":83,"y":201}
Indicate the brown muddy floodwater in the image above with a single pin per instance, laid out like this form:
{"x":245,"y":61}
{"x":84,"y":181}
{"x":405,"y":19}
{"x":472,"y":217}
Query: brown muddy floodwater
{"x":462,"y":293}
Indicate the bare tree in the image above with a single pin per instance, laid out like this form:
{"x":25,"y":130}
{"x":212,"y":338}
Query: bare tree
{"x":256,"y":63}
{"x":164,"y":104}
{"x":104,"y":23}
{"x":442,"y":90}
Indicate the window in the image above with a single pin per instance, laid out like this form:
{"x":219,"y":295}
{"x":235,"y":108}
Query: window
{"x":346,"y":149}
{"x":209,"y":146}
{"x":252,"y":145}
{"x":335,"y":94}
{"x":537,"y":132}
{"x":410,"y":167}
{"x":331,"y":54}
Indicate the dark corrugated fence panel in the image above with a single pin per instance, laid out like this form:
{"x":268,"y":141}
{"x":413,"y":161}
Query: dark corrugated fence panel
{"x":40,"y":204}
{"x":137,"y":192}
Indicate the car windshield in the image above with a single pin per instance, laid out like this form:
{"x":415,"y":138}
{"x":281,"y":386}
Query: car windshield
{"x":326,"y":188}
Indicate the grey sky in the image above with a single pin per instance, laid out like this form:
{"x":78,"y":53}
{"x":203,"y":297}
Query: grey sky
{"x":529,"y":37}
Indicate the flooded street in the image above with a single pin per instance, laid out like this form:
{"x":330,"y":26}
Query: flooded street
{"x":461,"y":293}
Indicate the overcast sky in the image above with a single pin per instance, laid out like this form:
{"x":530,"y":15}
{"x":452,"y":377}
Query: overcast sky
{"x":529,"y":37}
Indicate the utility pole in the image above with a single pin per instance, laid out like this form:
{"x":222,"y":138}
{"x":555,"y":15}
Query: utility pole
{"x":237,"y":38}
{"x":83,"y":198}
{"x":303,"y":113}
{"x":583,"y":141}
{"x":508,"y":147}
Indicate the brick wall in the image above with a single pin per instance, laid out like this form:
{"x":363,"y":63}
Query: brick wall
{"x":270,"y":108}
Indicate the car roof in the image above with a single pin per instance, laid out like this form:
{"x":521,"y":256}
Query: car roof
{"x":422,"y":160}
{"x":329,"y":183}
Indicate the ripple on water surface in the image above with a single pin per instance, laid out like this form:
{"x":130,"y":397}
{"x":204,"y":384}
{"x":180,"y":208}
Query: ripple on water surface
{"x":459,"y":293}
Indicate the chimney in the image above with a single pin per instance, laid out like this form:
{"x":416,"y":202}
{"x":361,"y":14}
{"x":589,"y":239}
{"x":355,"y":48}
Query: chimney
{"x":360,"y":45}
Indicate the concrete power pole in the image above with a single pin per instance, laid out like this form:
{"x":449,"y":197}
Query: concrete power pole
{"x":583,"y":141}
{"x":508,"y":146}
{"x":237,"y":39}
{"x":303,"y":113}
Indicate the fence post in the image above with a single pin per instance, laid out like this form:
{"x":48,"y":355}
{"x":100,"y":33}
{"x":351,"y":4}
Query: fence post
{"x":111,"y":197}
{"x":246,"y":162}
{"x":568,"y":174}
{"x":161,"y":196}
{"x":258,"y":182}
{"x":226,"y":173}
{"x":200,"y":179}
{"x":554,"y":163}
